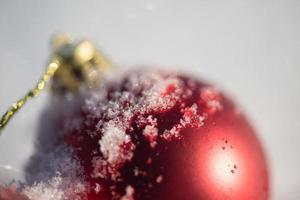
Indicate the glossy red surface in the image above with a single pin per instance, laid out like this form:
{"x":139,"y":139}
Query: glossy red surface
{"x":182,"y":141}
{"x":10,"y":193}
{"x":219,"y":159}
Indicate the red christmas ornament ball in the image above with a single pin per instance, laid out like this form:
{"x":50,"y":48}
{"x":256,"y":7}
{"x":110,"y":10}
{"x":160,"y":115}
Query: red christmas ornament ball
{"x":154,"y":135}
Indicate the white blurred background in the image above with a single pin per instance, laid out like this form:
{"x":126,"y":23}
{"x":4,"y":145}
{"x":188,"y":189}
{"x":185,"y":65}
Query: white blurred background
{"x":251,"y":49}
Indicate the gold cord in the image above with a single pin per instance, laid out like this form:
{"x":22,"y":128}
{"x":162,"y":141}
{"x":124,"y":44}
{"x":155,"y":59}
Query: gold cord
{"x":51,"y":69}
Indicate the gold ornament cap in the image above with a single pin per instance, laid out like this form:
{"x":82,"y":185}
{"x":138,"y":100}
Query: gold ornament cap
{"x":82,"y":64}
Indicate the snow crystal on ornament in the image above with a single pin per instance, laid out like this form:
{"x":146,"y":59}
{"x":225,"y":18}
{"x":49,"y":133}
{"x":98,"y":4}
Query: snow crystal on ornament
{"x":211,"y":97}
{"x":151,"y":132}
{"x":159,"y":179}
{"x":111,"y":144}
{"x":129,"y":193}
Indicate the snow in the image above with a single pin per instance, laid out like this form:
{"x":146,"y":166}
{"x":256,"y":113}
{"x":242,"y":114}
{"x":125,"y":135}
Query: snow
{"x":129,"y":193}
{"x":55,"y":176}
{"x":46,"y":191}
{"x":111,"y":144}
{"x":211,"y":97}
{"x":57,"y":188}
